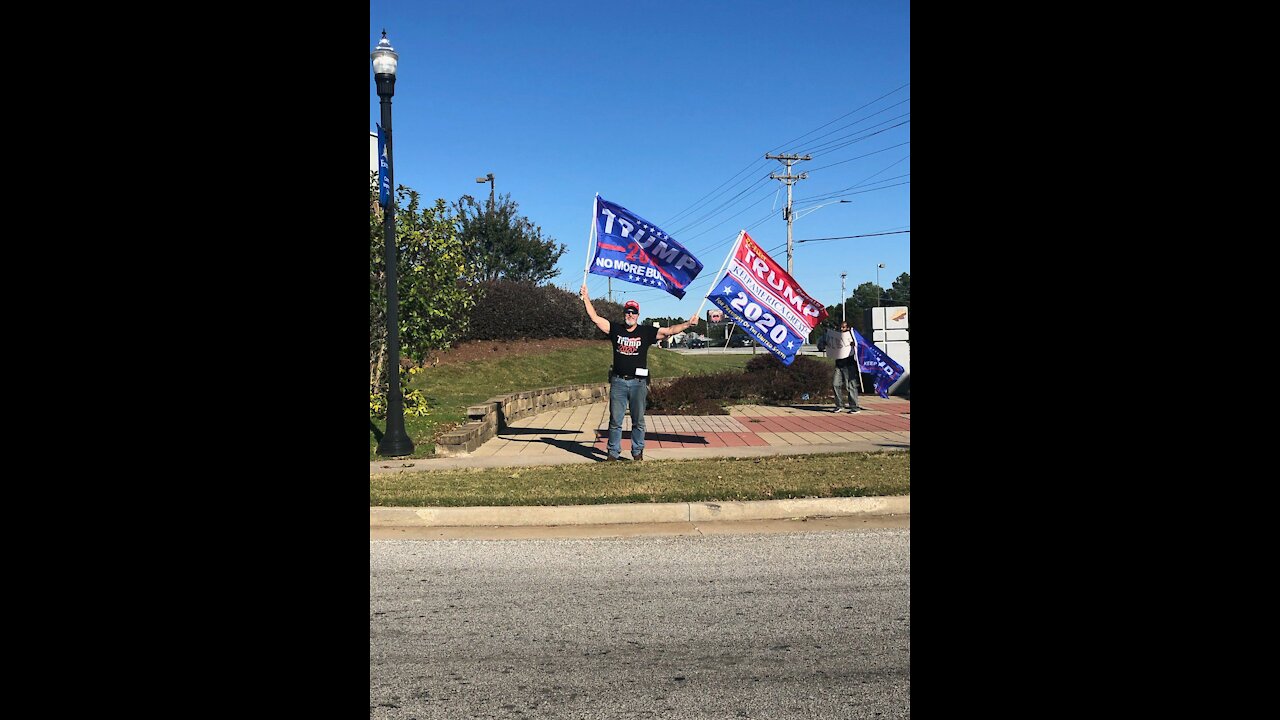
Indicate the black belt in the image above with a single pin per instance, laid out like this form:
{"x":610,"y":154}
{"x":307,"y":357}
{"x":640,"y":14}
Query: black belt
{"x":626,"y":377}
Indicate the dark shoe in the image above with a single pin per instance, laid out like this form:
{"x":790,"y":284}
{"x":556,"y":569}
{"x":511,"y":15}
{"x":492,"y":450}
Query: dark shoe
{"x":617,"y":458}
{"x":854,"y":411}
{"x":639,"y":457}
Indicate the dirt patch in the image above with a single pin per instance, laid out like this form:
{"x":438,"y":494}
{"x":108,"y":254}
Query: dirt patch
{"x":486,"y":349}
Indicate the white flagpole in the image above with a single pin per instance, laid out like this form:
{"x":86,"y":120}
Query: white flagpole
{"x":858,"y":358}
{"x":591,"y":238}
{"x":719,"y":272}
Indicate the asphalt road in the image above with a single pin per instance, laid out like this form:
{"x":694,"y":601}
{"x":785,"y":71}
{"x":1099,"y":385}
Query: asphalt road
{"x":782,"y":625}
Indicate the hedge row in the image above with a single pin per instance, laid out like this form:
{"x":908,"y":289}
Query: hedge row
{"x":766,"y":379}
{"x":509,"y":309}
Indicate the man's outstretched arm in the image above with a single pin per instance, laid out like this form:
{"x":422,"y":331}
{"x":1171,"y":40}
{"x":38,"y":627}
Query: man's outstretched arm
{"x":591,"y":311}
{"x":664,"y":333}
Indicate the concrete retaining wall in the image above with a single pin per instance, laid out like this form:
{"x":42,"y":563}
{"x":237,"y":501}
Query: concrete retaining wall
{"x":491,"y":417}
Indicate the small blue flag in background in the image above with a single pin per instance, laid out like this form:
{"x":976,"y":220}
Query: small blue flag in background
{"x":384,"y":171}
{"x":874,"y":361}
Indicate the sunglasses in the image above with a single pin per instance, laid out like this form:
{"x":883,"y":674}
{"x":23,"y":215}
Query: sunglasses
{"x":630,"y":312}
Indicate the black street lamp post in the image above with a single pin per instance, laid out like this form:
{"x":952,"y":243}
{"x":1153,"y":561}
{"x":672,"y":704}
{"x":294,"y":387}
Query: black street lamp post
{"x":395,"y":441}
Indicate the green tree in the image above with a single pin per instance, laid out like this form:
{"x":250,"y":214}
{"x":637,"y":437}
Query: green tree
{"x":502,"y":244}
{"x":433,"y":280}
{"x":864,"y":296}
{"x":900,"y":293}
{"x":663,"y":321}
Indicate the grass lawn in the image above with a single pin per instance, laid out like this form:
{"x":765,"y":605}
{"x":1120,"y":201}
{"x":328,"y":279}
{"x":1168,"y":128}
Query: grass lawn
{"x":721,"y":479}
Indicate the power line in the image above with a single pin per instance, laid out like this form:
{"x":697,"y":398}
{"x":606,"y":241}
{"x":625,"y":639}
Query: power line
{"x":728,"y":203}
{"x":704,"y":200}
{"x":841,"y":117}
{"x":737,"y":179}
{"x":699,"y":202}
{"x":837,"y":193}
{"x":841,"y":162}
{"x":837,"y":143}
{"x":828,"y":195}
{"x":846,"y":237}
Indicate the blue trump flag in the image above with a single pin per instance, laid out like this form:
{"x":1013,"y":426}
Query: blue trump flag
{"x":874,"y":361}
{"x":384,"y":171}
{"x":631,"y":248}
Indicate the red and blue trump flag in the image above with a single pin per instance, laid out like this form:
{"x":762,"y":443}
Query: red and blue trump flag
{"x":874,"y":361}
{"x":631,"y":248}
{"x":765,"y":301}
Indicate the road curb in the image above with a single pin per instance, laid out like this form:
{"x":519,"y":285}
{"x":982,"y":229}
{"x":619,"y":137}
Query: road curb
{"x":627,"y":513}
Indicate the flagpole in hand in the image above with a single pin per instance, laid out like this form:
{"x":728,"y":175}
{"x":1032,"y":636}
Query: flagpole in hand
{"x":858,"y":359}
{"x":591,"y":239}
{"x":723,"y":265}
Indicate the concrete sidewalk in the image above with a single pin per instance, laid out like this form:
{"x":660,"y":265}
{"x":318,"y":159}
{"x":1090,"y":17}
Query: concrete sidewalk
{"x":579,"y":435}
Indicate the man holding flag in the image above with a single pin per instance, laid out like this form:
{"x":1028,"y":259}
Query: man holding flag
{"x":843,"y":348}
{"x":629,"y":375}
{"x":628,"y":247}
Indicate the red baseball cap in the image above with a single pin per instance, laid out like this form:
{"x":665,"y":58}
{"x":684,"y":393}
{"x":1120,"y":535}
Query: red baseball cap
{"x":632,"y":304}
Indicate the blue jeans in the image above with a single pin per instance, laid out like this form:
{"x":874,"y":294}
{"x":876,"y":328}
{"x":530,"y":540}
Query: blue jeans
{"x":845,"y":383}
{"x":621,"y":394}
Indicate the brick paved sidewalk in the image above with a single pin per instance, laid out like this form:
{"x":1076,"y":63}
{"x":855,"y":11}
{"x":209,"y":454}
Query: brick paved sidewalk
{"x":584,"y":430}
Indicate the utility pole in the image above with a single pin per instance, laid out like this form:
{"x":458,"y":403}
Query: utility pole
{"x":790,"y":180}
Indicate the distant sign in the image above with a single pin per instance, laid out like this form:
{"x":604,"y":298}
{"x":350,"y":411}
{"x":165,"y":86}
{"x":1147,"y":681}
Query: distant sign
{"x":889,"y":318}
{"x":715,"y":316}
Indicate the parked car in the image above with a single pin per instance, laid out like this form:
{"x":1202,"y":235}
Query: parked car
{"x":695,"y":343}
{"x":741,"y":340}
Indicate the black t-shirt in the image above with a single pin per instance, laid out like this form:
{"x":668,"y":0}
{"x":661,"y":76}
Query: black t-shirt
{"x":631,"y":347}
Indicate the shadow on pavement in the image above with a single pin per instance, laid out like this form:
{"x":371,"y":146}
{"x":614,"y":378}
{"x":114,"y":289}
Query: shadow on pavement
{"x":652,"y":436}
{"x":586,"y":451}
{"x":532,"y":431}
{"x":577,"y":448}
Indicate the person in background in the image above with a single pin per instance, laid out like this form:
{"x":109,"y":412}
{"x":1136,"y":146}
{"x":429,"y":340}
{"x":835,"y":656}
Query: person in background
{"x":841,"y":346}
{"x":629,"y":374}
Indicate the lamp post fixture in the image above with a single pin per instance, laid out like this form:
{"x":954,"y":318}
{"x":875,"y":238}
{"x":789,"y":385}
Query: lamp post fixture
{"x":488,"y":179}
{"x":807,"y":211}
{"x":879,"y":290}
{"x":794,"y":216}
{"x":395,"y":441}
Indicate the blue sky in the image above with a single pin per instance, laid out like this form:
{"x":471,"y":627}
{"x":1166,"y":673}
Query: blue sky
{"x":668,"y":109}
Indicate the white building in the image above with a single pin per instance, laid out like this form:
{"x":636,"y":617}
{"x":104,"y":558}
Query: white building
{"x":890,"y":331}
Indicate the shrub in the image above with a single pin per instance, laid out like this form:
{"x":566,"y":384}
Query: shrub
{"x":766,"y":380}
{"x":513,"y":309}
{"x":697,"y":394}
{"x":415,"y":403}
{"x":778,"y":383}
